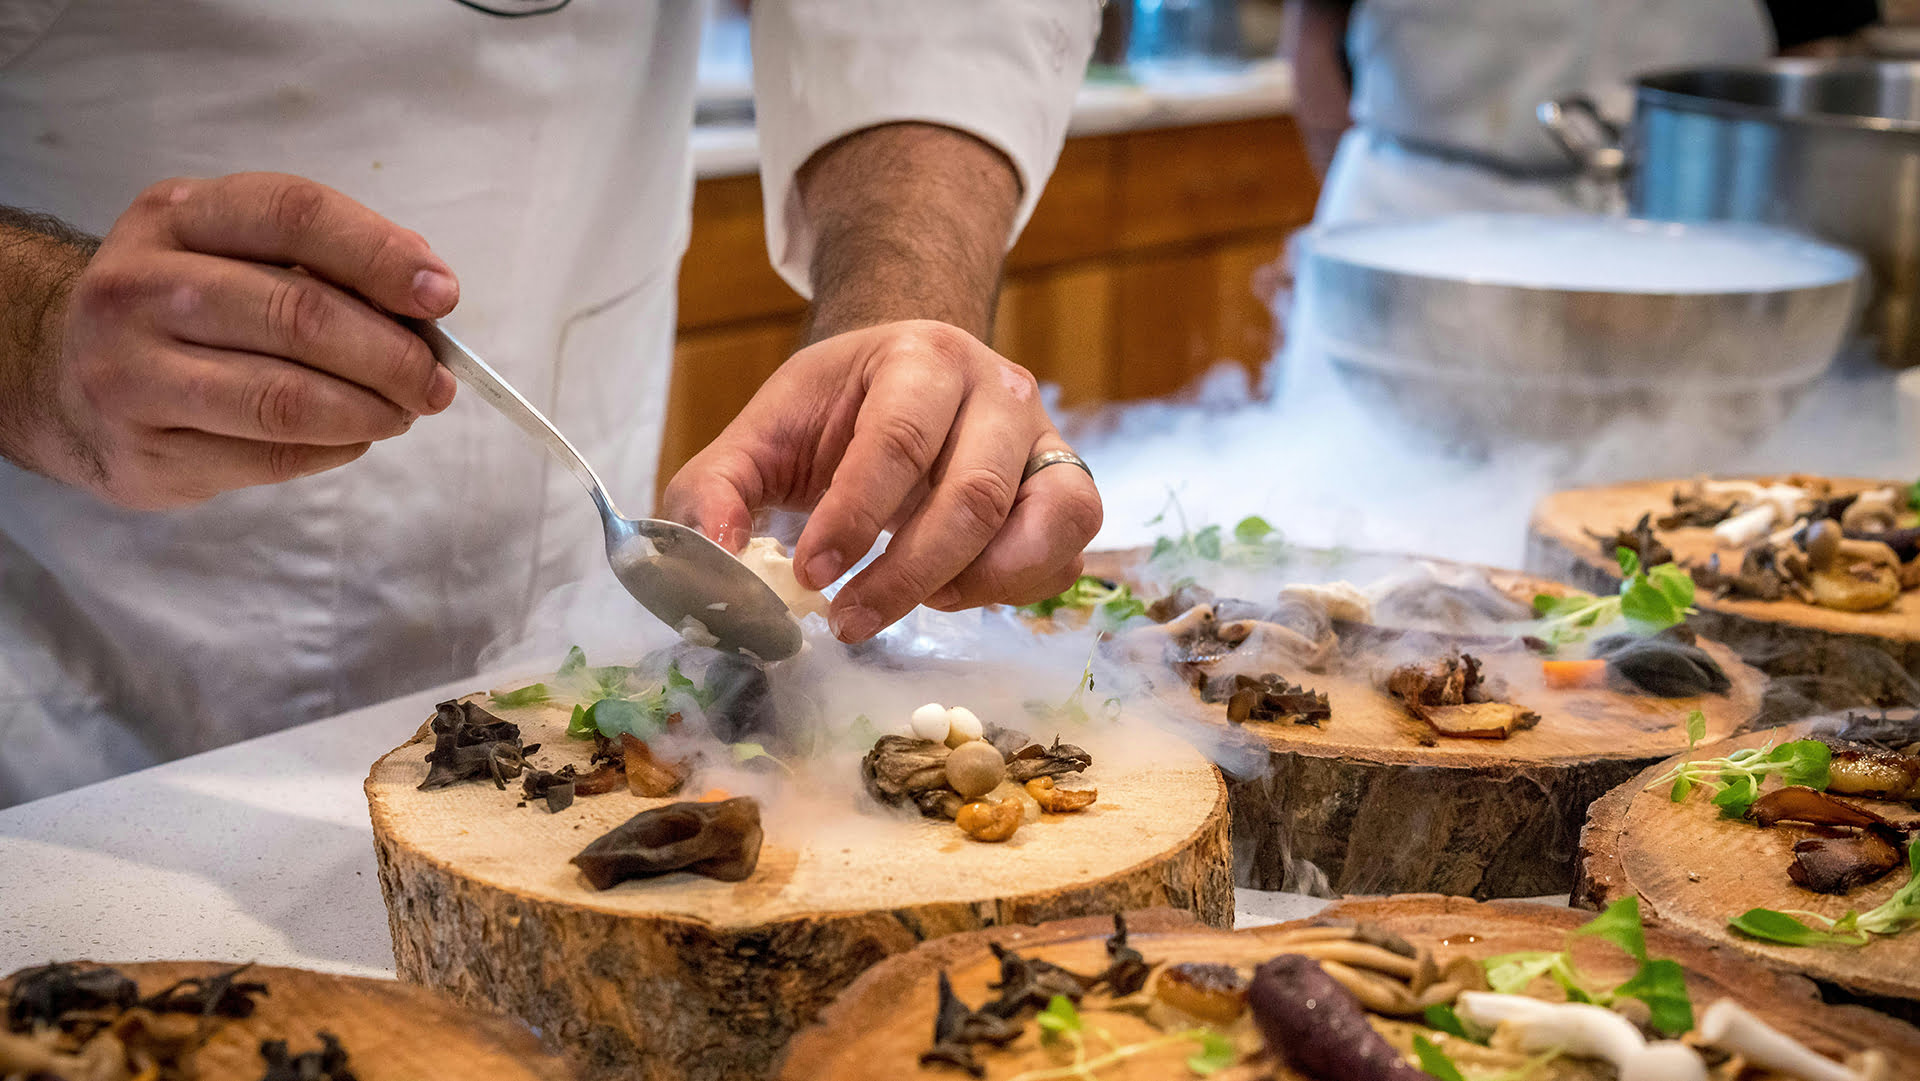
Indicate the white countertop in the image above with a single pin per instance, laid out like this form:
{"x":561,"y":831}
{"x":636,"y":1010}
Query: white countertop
{"x":1151,"y":100}
{"x":261,"y":851}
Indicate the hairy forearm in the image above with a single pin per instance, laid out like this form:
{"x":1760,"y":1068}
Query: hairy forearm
{"x":40,"y":257}
{"x":910,"y":222}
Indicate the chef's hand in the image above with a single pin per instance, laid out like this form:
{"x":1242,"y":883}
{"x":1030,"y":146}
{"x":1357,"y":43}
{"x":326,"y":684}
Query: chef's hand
{"x":910,"y":426}
{"x":226,"y":334}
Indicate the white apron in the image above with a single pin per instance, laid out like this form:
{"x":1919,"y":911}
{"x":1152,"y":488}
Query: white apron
{"x":129,"y":637}
{"x":546,"y":159}
{"x":1465,"y":77}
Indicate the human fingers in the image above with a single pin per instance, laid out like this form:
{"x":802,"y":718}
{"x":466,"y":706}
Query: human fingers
{"x":253,"y":396}
{"x":715,"y":493}
{"x":1037,"y":554}
{"x":292,"y":221}
{"x":901,"y":428}
{"x":182,"y":467}
{"x":229,"y":304}
{"x":973,"y":490}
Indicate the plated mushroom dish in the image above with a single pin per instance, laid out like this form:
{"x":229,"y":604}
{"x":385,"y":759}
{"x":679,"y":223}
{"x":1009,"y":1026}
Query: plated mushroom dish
{"x":1353,"y":1001}
{"x":85,"y":1022}
{"x":1463,"y":656}
{"x":1850,"y":804}
{"x":1798,"y":539}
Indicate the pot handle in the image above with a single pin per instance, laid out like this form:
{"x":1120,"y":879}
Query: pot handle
{"x":1595,"y":144}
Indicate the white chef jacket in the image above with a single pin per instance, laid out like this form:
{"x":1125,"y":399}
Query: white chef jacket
{"x":1468,"y":75}
{"x":546,"y":159}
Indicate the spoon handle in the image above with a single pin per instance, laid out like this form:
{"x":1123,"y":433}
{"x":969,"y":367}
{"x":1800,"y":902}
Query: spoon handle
{"x":474,"y":372}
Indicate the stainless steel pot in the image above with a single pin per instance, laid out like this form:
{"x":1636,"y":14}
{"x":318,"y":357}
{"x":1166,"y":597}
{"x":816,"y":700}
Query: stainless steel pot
{"x":1827,"y":146}
{"x":1479,"y":328}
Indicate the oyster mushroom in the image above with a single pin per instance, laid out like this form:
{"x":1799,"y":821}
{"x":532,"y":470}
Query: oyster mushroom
{"x":1058,"y":760}
{"x":718,"y":840}
{"x":900,"y":768}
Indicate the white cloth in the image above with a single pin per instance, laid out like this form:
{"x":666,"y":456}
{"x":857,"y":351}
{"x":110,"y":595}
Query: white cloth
{"x":546,"y":158}
{"x":1468,"y":76}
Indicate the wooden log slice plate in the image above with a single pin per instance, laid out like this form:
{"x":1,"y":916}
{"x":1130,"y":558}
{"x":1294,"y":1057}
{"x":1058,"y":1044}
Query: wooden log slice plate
{"x":1693,"y":870}
{"x":879,"y":1026}
{"x":686,"y":977}
{"x":1371,"y":802}
{"x":391,"y":1031}
{"x":1827,"y":659}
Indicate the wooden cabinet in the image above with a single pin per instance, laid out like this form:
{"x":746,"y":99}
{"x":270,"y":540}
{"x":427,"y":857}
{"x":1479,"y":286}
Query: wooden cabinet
{"x":1136,"y":275}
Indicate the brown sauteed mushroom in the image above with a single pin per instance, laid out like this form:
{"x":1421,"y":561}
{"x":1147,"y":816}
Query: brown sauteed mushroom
{"x":1213,"y":993}
{"x":1055,"y":800}
{"x":718,"y":840}
{"x":989,"y":820}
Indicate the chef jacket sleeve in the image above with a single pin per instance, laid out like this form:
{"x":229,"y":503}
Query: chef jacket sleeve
{"x":1004,"y":71}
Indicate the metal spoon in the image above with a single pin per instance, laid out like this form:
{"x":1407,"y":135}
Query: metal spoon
{"x":673,"y":571}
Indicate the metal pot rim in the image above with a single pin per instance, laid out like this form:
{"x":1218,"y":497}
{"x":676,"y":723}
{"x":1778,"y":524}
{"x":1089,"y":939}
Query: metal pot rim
{"x":1312,"y":249}
{"x":1650,"y":91}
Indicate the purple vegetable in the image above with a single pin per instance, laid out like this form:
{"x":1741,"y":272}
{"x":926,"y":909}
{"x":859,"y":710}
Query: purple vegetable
{"x":1318,"y":1027}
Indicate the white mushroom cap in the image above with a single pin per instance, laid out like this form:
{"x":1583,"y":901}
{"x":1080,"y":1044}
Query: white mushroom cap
{"x":962,"y":725}
{"x":930,"y":722}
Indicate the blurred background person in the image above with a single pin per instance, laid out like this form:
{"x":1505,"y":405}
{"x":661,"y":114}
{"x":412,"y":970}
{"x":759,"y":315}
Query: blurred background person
{"x":1416,"y":107}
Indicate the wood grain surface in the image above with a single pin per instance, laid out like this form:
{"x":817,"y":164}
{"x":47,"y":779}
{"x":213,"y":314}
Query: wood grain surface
{"x":685,"y":977}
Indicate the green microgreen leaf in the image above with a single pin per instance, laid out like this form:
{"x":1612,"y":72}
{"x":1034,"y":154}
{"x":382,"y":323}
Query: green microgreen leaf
{"x":1734,"y":780}
{"x":1252,"y":529}
{"x":1903,"y":908}
{"x":1662,"y":985}
{"x":1114,"y":603}
{"x":1435,"y":1061}
{"x":1060,"y":1017}
{"x":1442,"y":1017}
{"x":1216,"y":1053}
{"x":1206,"y":543}
{"x":532,"y":694}
{"x":1696,"y":723}
{"x":1620,"y":925}
{"x":1628,"y":559}
{"x":1782,"y":929}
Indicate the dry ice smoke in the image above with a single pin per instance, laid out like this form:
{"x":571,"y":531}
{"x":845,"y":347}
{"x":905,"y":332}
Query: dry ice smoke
{"x":1332,"y":469}
{"x":828,"y":704}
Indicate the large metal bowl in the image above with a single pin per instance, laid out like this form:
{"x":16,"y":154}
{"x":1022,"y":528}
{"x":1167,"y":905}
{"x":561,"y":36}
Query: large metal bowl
{"x":1831,"y":147}
{"x":1480,"y":328}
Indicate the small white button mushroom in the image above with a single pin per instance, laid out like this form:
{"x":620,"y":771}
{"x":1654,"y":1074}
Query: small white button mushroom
{"x":962,"y":726}
{"x":930,"y":722}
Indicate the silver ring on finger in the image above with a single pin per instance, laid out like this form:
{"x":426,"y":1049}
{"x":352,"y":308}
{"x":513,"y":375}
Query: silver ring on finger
{"x":1053,"y":457}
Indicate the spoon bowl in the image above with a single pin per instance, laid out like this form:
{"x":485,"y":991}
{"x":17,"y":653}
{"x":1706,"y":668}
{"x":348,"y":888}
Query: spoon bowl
{"x":686,"y":580}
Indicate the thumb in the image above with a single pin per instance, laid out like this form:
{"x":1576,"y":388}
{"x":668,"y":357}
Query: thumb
{"x":707,"y":499}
